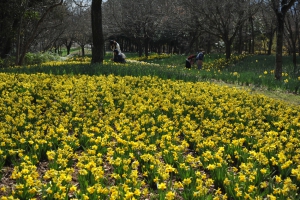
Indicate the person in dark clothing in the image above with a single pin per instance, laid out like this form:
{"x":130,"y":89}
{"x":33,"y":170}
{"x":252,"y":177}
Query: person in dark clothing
{"x":118,"y":57}
{"x":190,"y":61}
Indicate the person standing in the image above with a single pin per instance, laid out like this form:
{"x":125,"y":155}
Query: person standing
{"x":199,"y":59}
{"x":190,"y":61}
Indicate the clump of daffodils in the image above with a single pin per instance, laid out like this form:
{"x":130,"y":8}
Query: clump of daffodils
{"x":144,"y":137}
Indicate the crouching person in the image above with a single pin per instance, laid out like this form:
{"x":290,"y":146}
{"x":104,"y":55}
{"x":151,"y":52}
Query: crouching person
{"x":118,"y":57}
{"x":190,"y":61}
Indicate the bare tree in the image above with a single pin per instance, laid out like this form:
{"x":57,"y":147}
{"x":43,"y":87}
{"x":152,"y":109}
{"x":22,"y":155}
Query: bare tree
{"x":21,"y":24}
{"x":77,"y":23}
{"x":280,"y":8}
{"x":82,"y":29}
{"x":187,"y":25}
{"x":51,"y":31}
{"x":223,"y":19}
{"x":33,"y":30}
{"x":292,"y":32}
{"x":268,"y":25}
{"x":137,"y":20}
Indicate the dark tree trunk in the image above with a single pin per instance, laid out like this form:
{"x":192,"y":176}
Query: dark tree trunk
{"x":295,"y":48}
{"x":240,"y":40}
{"x":228,"y":50}
{"x":292,"y":35}
{"x":208,"y":45}
{"x":68,"y":46}
{"x":228,"y":43}
{"x":97,"y":32}
{"x":140,"y":48}
{"x":146,"y":44}
{"x":9,"y":24}
{"x":279,"y":44}
{"x":295,"y":59}
{"x":299,"y":44}
{"x":249,"y":45}
{"x":252,"y":35}
{"x":82,"y":51}
{"x":18,"y":44}
{"x":280,"y":14}
{"x":194,"y":37}
{"x":271,"y":35}
{"x":159,"y":50}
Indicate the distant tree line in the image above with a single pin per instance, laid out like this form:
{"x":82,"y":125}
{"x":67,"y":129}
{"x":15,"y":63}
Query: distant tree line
{"x":162,"y":26}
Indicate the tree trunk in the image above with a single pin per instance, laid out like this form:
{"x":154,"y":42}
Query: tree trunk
{"x":18,"y":45}
{"x":7,"y":29}
{"x":194,"y":37}
{"x":140,"y":49}
{"x":97,"y":32}
{"x":68,"y":46}
{"x":252,"y":35}
{"x":279,"y":44}
{"x":292,"y":35}
{"x":298,"y":43}
{"x":159,"y":48}
{"x":294,"y":58}
{"x":280,"y":14}
{"x":249,"y":40}
{"x":228,"y":49}
{"x":209,"y":45}
{"x":295,"y":47}
{"x":82,"y":50}
{"x":240,"y":40}
{"x":146,"y":44}
{"x":271,"y":35}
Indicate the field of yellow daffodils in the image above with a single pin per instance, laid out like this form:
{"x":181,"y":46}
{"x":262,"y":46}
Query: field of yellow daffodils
{"x":112,"y":137}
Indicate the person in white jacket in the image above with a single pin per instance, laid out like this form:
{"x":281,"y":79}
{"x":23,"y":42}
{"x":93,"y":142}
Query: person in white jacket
{"x":115,"y":46}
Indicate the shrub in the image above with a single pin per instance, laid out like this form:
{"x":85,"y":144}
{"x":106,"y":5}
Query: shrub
{"x":7,"y":62}
{"x":38,"y":58}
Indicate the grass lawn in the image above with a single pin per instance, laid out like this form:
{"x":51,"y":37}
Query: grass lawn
{"x":255,"y":74}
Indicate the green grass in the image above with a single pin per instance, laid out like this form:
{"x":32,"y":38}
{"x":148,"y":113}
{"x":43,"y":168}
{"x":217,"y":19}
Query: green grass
{"x":74,"y":51}
{"x":179,"y":60}
{"x":254,"y":71}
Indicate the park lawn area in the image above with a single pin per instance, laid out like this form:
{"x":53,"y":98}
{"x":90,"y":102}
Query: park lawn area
{"x":288,"y":97}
